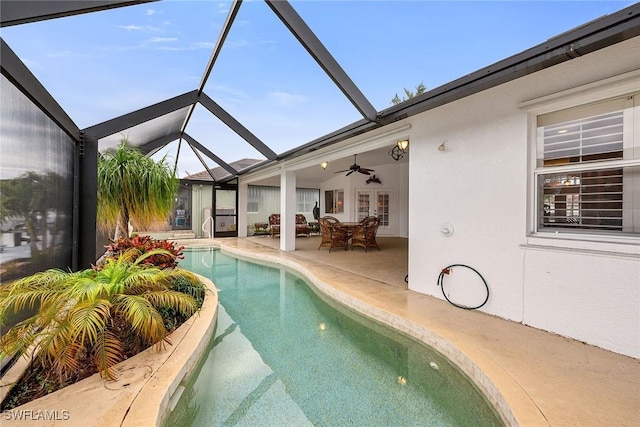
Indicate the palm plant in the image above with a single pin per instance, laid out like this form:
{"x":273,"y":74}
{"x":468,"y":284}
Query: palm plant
{"x":133,"y":187}
{"x":80,"y":313}
{"x":420,"y":89}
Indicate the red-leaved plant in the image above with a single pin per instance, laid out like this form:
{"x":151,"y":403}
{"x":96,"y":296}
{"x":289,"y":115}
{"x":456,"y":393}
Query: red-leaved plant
{"x":144,"y":244}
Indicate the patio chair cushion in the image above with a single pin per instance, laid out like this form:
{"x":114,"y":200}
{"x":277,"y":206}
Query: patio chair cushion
{"x":274,"y":224}
{"x":302,"y":227}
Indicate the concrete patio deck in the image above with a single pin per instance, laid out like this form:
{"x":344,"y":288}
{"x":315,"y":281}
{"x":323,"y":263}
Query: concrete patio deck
{"x":545,"y":379}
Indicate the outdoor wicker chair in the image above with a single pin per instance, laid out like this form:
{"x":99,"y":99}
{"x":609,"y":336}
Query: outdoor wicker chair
{"x":331,"y":235}
{"x":364,"y":235}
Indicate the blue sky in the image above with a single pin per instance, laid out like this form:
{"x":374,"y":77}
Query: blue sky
{"x":101,"y":65}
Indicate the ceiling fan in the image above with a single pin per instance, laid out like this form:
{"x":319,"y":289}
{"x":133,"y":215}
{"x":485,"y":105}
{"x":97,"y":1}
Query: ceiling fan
{"x":356,"y":168}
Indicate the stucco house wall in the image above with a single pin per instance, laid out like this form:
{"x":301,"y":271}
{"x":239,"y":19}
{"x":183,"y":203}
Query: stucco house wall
{"x":482,"y":186}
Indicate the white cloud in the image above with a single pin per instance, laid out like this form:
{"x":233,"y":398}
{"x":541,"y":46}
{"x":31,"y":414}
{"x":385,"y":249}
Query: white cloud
{"x":203,"y":45}
{"x":240,"y":43}
{"x":193,"y":46}
{"x":162,"y":40}
{"x":150,"y":12}
{"x":284,"y":99}
{"x":131,"y":27}
{"x":227,"y":94}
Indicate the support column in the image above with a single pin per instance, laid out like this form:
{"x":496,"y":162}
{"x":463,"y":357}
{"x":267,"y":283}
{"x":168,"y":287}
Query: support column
{"x":288,"y":211}
{"x":243,"y":191}
{"x":87,"y":204}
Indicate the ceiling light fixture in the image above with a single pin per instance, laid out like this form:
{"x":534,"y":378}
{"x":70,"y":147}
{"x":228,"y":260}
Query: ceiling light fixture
{"x":324,"y":165}
{"x":441,"y":147}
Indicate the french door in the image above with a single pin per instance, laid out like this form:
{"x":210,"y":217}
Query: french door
{"x":375,"y":203}
{"x":226,"y":213}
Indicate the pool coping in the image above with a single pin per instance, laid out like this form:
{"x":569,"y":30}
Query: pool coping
{"x":511,"y":402}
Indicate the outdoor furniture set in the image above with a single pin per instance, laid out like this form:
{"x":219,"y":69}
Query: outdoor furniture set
{"x":302,"y":227}
{"x":336,"y":234}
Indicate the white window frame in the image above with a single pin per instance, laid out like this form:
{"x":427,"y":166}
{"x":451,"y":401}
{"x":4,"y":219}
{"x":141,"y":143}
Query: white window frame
{"x":627,"y":84}
{"x":336,"y":207}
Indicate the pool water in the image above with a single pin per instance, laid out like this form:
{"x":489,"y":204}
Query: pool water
{"x":284,"y":356}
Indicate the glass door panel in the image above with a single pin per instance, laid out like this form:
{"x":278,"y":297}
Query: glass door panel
{"x":363,"y":205}
{"x":225,"y":215}
{"x":384,"y":208}
{"x":375,"y":203}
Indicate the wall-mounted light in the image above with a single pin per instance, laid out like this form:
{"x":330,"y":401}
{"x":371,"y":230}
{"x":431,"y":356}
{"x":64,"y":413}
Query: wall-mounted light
{"x":441,"y":147}
{"x":398,"y":150}
{"x":324,"y":165}
{"x":373,"y":179}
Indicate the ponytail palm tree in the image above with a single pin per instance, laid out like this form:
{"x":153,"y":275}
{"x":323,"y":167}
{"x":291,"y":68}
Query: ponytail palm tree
{"x":133,"y":187}
{"x":81,"y":314}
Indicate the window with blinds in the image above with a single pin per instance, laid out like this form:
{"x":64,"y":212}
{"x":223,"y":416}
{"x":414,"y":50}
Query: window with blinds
{"x":583,"y":200}
{"x":585,"y":180}
{"x":592,"y":139}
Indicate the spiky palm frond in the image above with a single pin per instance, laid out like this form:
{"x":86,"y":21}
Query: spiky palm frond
{"x":175,"y":299}
{"x":19,"y":338}
{"x":77,"y":310}
{"x":106,"y":353}
{"x":40,"y":288}
{"x":144,"y":318}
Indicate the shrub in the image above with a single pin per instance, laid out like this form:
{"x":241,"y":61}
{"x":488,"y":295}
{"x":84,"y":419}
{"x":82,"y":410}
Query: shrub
{"x":144,"y":244}
{"x":87,"y":317}
{"x":187,"y":283}
{"x":86,"y":322}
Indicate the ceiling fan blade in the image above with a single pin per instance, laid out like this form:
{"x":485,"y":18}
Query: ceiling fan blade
{"x":364,"y":171}
{"x":346,"y":170}
{"x":367,"y":169}
{"x":350,"y":173}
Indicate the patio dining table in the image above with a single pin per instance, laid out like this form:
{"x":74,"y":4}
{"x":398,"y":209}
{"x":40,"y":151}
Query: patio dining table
{"x":347,"y":227}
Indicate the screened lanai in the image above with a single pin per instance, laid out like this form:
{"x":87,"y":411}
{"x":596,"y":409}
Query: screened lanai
{"x":187,"y":107}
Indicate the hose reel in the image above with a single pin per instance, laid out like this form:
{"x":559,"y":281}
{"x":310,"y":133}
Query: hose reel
{"x":447,"y":270}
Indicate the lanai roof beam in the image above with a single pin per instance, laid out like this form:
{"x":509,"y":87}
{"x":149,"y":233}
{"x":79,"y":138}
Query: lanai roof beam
{"x":17,"y":73}
{"x":153,"y":146}
{"x":235,"y":125}
{"x":195,"y":144}
{"x":327,"y":62}
{"x":14,"y":12}
{"x":129,"y":120}
{"x":226,"y":27}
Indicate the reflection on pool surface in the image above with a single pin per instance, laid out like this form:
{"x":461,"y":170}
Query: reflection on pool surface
{"x":283,"y":356}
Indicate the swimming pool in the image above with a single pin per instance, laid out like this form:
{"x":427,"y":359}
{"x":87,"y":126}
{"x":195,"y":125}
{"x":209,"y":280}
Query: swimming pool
{"x":284,"y":356}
